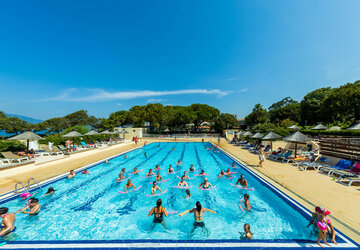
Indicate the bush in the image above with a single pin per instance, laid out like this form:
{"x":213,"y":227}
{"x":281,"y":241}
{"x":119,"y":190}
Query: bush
{"x":331,"y":132}
{"x":12,"y":146}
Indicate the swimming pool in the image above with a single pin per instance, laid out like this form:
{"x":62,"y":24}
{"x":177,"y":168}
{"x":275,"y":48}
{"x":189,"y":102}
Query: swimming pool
{"x":89,"y":207}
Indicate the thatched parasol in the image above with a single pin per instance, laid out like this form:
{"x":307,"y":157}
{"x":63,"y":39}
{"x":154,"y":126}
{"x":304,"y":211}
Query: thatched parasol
{"x":270,"y":137}
{"x":26,"y":136}
{"x":356,"y":126}
{"x":294,"y":127}
{"x":296,"y":137}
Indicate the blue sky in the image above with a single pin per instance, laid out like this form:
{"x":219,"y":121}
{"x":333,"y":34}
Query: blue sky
{"x":57,"y":57}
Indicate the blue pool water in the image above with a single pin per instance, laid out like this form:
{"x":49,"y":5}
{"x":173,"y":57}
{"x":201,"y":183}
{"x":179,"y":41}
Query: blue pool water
{"x":89,"y":207}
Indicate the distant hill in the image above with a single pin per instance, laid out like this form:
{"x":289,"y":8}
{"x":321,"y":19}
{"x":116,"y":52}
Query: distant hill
{"x":25,"y":118}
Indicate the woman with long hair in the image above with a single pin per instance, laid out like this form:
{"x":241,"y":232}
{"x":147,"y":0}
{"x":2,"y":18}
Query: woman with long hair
{"x":159,"y":211}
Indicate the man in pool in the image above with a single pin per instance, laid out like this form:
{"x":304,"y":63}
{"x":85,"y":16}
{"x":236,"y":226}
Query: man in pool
{"x":247,"y":205}
{"x":182,"y":182}
{"x":154,"y":188}
{"x":158,"y":177}
{"x":158,"y":212}
{"x":191,"y":169}
{"x":121,"y":177}
{"x":185,"y":176}
{"x":221,"y":174}
{"x":33,"y":206}
{"x":170,"y":169}
{"x":198,"y":215}
{"x":205,"y":184}
{"x":71,"y":174}
{"x":179,"y":162}
{"x":202,"y":172}
{"x":135,"y":171}
{"x":242,"y":181}
{"x":7,"y":222}
{"x":128,"y":185}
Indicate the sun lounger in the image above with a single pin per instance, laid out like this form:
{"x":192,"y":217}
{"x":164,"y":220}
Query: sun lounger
{"x":55,"y":151}
{"x":352,"y":171}
{"x":318,"y":163}
{"x":84,"y":144}
{"x":12,"y":158}
{"x":282,"y":156}
{"x":341,"y":165}
{"x":350,"y":179}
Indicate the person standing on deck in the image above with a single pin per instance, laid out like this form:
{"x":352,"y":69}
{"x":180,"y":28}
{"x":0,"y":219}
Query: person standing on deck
{"x":261,"y":156}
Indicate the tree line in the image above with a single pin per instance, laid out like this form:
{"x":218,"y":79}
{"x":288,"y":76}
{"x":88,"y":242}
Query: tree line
{"x":158,"y":116}
{"x":330,"y":106}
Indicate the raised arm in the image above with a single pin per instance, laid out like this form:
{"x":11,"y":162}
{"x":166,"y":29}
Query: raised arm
{"x":159,"y":189}
{"x":187,"y":211}
{"x":151,"y":212}
{"x":209,"y":210}
{"x":238,"y":181}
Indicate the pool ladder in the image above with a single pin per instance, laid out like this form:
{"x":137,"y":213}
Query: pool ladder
{"x":24,"y":188}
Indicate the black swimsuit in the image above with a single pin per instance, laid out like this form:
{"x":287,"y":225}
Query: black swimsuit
{"x":158,"y":219}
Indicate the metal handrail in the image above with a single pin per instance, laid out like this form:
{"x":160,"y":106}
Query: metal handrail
{"x":17,"y":190}
{"x":35,"y":182}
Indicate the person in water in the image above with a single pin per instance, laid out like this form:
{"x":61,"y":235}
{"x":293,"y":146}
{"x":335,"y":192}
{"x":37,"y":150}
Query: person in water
{"x":129,"y":185}
{"x":191,"y":169}
{"x":247,"y":205}
{"x":135,"y":171}
{"x":170,"y":169}
{"x":242,"y":181}
{"x":150,"y":173}
{"x":173,"y":149}
{"x":107,"y":161}
{"x":179,"y":162}
{"x":206,"y":184}
{"x":121,"y":177}
{"x":85,"y":171}
{"x":125,"y":156}
{"x":318,"y":216}
{"x":71,"y":174}
{"x":228,"y":172}
{"x":185,"y":176}
{"x":233,"y":165}
{"x":33,"y":206}
{"x":157,"y":167}
{"x":7,"y":222}
{"x":222,"y":174}
{"x":51,"y":190}
{"x":159,"y":211}
{"x":158,"y":177}
{"x":182,"y":182}
{"x":247,"y":233}
{"x":154,"y":188}
{"x":188,"y":194}
{"x":158,"y":145}
{"x":145,"y":154}
{"x":198,"y":215}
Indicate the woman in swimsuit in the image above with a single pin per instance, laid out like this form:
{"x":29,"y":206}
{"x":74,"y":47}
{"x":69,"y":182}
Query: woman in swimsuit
{"x":192,"y":169}
{"x":121,"y":176}
{"x":158,"y":177}
{"x":71,"y":175}
{"x":205,"y":184}
{"x":7,"y":223}
{"x":170,"y":170}
{"x":202,"y":172}
{"x":198,"y":215}
{"x":51,"y":190}
{"x":135,"y":171}
{"x":222,"y":174}
{"x":228,"y":172}
{"x":179,"y":162}
{"x":34,"y":207}
{"x":157,"y":167}
{"x":154,"y":188}
{"x":150,"y":173}
{"x":158,"y":212}
{"x":185,"y":176}
{"x":182,"y":183}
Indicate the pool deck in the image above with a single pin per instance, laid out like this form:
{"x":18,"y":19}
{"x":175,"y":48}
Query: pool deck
{"x":309,"y":188}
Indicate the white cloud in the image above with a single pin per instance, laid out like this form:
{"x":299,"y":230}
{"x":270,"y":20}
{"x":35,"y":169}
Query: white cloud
{"x":99,"y":95}
{"x":156,"y":100}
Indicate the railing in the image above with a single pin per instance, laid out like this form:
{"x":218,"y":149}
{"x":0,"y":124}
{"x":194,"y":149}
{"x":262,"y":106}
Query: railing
{"x":341,"y":147}
{"x":35,"y":182}
{"x":23,"y":187}
{"x":182,"y":136}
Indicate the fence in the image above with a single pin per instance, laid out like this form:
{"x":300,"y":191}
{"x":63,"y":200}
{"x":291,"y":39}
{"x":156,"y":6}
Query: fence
{"x":183,"y":136}
{"x":346,"y":147}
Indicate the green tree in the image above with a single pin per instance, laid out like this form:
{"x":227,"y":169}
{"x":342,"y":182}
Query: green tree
{"x":287,"y":108}
{"x":81,"y":117}
{"x":257,"y":116}
{"x":56,"y":125}
{"x":202,"y":113}
{"x":136,"y":116}
{"x":226,"y":121}
{"x":342,"y":104}
{"x":16,"y":125}
{"x":181,"y":116}
{"x":310,"y":106}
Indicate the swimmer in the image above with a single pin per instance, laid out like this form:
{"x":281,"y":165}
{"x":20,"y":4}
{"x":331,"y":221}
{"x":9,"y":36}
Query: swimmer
{"x":26,"y":195}
{"x":233,"y":165}
{"x":150,"y":173}
{"x":188,"y":194}
{"x":173,"y":149}
{"x":155,"y":187}
{"x":170,"y":169}
{"x":125,"y":156}
{"x":107,"y":162}
{"x":51,"y":190}
{"x":247,"y":233}
{"x":158,"y":145}
{"x":198,"y":215}
{"x":71,"y":174}
{"x":135,"y":171}
{"x":185,"y":176}
{"x":228,"y":172}
{"x":85,"y":171}
{"x":247,"y":205}
{"x":179,"y":162}
{"x":33,"y":206}
{"x":7,"y":221}
{"x":242,"y":181}
{"x":157,"y":167}
{"x":123,"y":171}
{"x":205,"y":184}
{"x":145,"y":154}
{"x":158,"y":177}
{"x":158,"y":212}
{"x":121,"y":176}
{"x":182,"y":183}
{"x":129,"y":184}
{"x":191,"y":169}
{"x":222,"y":174}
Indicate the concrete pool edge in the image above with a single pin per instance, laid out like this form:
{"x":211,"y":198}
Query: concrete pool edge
{"x":292,"y":243}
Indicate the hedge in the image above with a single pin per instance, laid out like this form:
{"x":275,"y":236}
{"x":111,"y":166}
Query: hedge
{"x":12,"y":146}
{"x":331,"y":132}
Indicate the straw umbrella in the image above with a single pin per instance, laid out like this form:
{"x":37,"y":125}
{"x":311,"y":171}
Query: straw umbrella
{"x":257,"y":136}
{"x":270,"y":137}
{"x":294,"y":127}
{"x":296,"y":137}
{"x":247,"y":134}
{"x":319,"y":127}
{"x":27,"y":136}
{"x":92,"y":133}
{"x":72,"y":134}
{"x":356,"y":126}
